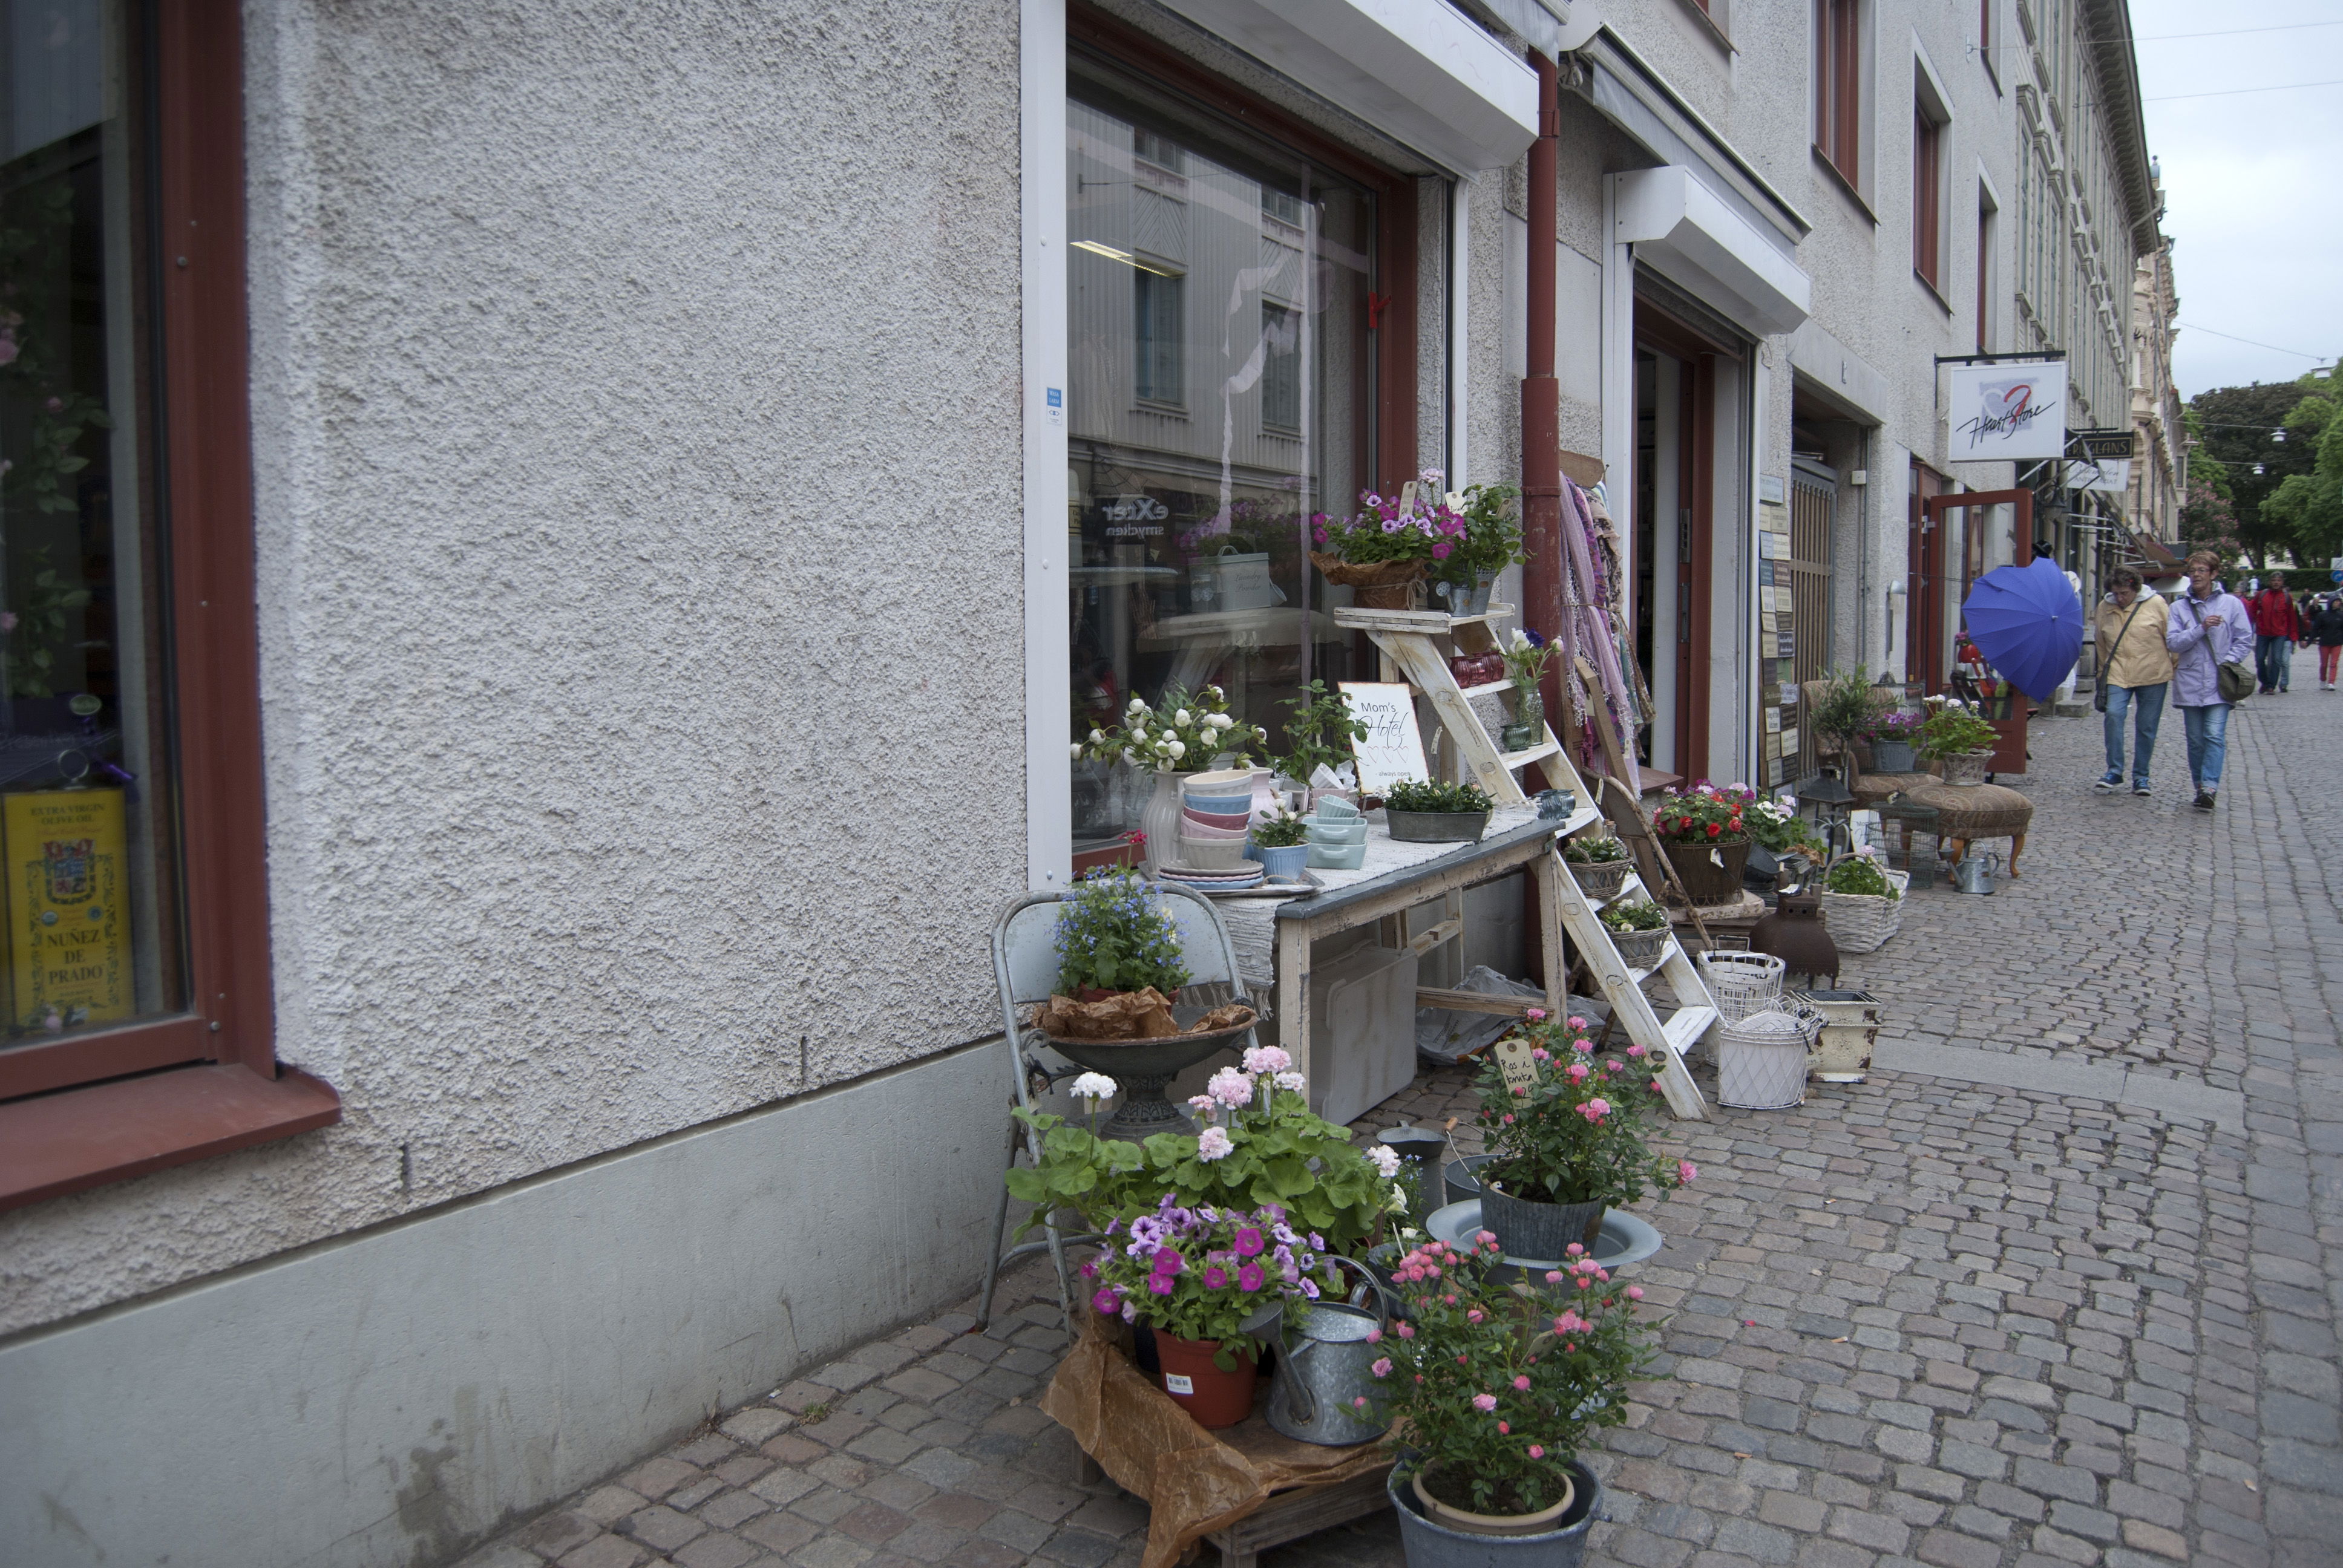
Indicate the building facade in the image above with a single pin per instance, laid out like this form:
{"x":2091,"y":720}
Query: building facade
{"x":591,"y":535}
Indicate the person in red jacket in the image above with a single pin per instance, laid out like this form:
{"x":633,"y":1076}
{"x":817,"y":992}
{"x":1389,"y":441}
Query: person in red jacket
{"x":2277,"y":628}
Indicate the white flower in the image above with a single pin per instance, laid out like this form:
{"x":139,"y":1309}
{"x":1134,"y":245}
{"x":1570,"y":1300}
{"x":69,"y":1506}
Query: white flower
{"x":1214,"y":692}
{"x":1077,"y":750}
{"x":1139,"y":732}
{"x":1220,"y":720}
{"x":1521,"y":638}
{"x":1385,"y":1161}
{"x":1095,"y":1086}
{"x":1177,"y":748}
{"x":1292,"y":1081}
{"x":1259,"y":732}
{"x":1180,"y":717}
{"x":1136,"y":704}
{"x":1097,"y":736}
{"x":1738,"y":789}
{"x":1214,"y":1145}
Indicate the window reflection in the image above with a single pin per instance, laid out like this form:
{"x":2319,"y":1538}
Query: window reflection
{"x":1218,"y":394}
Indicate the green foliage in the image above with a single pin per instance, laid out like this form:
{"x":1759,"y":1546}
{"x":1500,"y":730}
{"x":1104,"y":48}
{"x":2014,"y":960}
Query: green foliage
{"x":1115,"y":933}
{"x":2233,"y":427}
{"x":1592,"y":850}
{"x":1201,"y":1272}
{"x":1493,"y":533}
{"x":1638,"y":915}
{"x":1184,"y":732}
{"x":2307,"y":509}
{"x":41,"y":628}
{"x":1856,"y":875}
{"x":1281,"y":832}
{"x":1952,"y":729}
{"x":1319,"y":734}
{"x":1847,"y":705}
{"x":1431,"y":795}
{"x":1577,"y":1132}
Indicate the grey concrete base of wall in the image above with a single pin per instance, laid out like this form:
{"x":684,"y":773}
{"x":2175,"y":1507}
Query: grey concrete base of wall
{"x":387,"y":1399}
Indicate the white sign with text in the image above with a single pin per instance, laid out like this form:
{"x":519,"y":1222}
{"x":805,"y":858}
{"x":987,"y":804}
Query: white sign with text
{"x":1393,"y":748}
{"x":2008,"y":413}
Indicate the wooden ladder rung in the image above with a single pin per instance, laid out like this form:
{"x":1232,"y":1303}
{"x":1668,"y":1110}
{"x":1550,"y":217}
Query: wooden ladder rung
{"x":1513,"y":760}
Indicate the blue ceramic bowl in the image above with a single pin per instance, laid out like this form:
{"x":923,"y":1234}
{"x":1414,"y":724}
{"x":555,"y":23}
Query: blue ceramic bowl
{"x":1219,"y":805}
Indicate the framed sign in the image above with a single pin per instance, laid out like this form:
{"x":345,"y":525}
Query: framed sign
{"x":1393,"y":748}
{"x":2008,"y":413}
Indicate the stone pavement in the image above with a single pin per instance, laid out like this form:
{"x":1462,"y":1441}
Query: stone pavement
{"x":1949,"y":1320}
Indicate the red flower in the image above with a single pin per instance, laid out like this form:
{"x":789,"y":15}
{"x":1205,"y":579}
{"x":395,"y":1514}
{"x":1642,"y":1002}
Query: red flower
{"x":1714,"y":829}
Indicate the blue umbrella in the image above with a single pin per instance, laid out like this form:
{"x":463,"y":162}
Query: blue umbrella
{"x":2028,"y":624}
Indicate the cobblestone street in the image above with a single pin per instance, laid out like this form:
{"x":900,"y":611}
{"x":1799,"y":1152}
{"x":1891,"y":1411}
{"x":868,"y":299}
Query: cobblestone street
{"x":2067,"y":1297}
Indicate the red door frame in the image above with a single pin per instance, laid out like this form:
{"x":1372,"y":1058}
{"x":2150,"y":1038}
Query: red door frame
{"x":1704,"y":360}
{"x":1933,"y":509}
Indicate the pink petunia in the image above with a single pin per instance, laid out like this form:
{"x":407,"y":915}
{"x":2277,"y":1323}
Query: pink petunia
{"x":1216,"y":1278}
{"x":1248,"y":1242}
{"x":1250,"y":1277}
{"x":1106,"y":1304}
{"x":1159,"y":1284}
{"x":1168,"y":1260}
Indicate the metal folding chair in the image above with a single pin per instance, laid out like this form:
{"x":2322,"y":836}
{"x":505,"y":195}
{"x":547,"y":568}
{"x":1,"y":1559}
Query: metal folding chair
{"x":1025,"y":965}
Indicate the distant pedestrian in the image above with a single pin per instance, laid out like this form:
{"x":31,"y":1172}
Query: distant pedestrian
{"x":2326,"y":626}
{"x":2135,"y":674}
{"x":2210,"y":628}
{"x":2277,"y":629}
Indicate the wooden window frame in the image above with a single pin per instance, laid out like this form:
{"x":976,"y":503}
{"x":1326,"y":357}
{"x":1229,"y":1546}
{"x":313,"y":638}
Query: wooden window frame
{"x":1986,"y":214}
{"x":1838,"y":87}
{"x":118,"y":1102}
{"x":1928,"y":141}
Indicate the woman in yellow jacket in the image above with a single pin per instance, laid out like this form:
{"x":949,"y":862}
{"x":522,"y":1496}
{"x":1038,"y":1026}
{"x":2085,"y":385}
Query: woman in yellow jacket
{"x":2135,"y":673}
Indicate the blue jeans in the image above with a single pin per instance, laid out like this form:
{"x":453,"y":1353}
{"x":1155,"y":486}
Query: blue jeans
{"x":2273,"y":661}
{"x":2145,"y":704}
{"x":2208,"y":737}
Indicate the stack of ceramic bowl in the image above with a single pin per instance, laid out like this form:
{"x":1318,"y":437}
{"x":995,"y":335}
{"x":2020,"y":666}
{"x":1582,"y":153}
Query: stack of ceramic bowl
{"x":1216,"y":817}
{"x":1338,"y":835}
{"x":1247,"y":874}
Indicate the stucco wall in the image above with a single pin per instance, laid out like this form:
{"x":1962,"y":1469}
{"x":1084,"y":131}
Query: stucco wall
{"x":635,"y":390}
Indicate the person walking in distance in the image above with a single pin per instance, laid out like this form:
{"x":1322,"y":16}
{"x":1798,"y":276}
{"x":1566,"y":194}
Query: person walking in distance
{"x":2135,"y":673}
{"x":2210,"y":628}
{"x":2326,"y":626}
{"x":2277,"y":629}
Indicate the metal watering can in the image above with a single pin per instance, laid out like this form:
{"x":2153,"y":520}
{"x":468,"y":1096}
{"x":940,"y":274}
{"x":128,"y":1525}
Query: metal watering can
{"x":1976,"y":873}
{"x":1321,"y":1367}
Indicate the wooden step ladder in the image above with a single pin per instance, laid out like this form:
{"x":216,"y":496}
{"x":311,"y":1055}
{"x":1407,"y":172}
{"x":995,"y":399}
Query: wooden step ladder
{"x":1411,"y":642}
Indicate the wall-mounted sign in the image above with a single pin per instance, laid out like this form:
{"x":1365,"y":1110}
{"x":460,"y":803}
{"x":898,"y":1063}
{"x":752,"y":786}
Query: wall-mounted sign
{"x":1393,"y":748}
{"x":2008,"y":413}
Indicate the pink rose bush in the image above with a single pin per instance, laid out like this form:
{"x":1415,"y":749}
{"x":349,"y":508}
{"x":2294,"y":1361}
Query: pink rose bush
{"x":1500,"y":1383}
{"x":1577,"y":1132}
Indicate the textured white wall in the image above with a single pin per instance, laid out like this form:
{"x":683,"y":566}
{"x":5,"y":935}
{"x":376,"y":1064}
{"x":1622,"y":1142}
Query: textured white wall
{"x":635,"y":405}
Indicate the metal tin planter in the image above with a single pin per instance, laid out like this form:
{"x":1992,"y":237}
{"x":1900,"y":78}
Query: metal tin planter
{"x":1436,"y":827}
{"x":1323,"y":1368}
{"x":1432,"y":1545}
{"x":1529,"y":1229}
{"x":1892,"y":757}
{"x":1850,"y":1029}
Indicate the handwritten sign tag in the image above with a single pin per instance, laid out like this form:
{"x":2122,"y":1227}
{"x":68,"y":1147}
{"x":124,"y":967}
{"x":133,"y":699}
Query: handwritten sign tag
{"x":1514,"y":1060}
{"x":1393,"y":748}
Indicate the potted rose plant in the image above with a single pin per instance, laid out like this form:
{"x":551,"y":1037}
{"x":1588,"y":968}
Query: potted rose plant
{"x":1954,"y":735}
{"x":1568,"y":1143}
{"x":1499,"y":1386}
{"x":1181,"y":732}
{"x":1704,"y":832}
{"x":1197,"y":1274}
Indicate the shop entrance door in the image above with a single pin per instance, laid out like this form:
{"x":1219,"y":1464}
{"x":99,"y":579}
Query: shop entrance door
{"x":1932,"y":512}
{"x":1805,"y":577}
{"x":1676,"y":389}
{"x":1925,"y":646}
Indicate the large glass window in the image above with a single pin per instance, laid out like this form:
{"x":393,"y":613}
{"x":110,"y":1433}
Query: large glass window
{"x":90,"y":892}
{"x":1220,"y":392}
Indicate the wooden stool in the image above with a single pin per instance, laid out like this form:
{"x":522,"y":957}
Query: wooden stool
{"x":1967,"y":811}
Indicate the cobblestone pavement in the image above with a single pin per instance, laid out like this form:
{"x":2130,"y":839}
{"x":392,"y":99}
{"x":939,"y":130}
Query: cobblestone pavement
{"x":1932,"y":1320}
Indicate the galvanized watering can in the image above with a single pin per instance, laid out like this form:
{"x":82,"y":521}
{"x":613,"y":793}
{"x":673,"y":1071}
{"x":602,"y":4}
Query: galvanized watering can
{"x":1322,"y":1365}
{"x":1976,"y":874}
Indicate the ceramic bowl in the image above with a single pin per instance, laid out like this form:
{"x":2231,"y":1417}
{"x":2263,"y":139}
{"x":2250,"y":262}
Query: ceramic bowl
{"x":1220,"y":782}
{"x":1219,"y":805}
{"x":1237,"y":819}
{"x":1197,"y":831}
{"x":1212,"y":854}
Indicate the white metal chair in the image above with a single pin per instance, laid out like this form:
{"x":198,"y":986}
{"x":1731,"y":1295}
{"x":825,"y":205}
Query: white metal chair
{"x":1025,"y":966}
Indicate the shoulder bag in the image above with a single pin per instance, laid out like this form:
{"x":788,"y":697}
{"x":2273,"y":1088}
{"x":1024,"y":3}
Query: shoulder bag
{"x":2099,"y":687}
{"x":2235,"y":677}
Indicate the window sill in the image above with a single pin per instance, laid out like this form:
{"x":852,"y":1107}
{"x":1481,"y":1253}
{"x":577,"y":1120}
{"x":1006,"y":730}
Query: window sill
{"x":1933,"y":292}
{"x":1846,"y":187}
{"x":1708,"y":23}
{"x":57,"y":1143}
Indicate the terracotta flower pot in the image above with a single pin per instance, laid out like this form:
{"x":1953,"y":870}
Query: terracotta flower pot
{"x":1214,"y":1398}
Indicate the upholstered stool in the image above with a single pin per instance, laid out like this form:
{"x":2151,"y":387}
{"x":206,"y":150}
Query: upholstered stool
{"x":1967,"y":811}
{"x":1871,"y":789}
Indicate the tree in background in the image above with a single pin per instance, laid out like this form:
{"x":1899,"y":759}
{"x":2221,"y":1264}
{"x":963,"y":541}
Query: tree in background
{"x":2308,"y":507}
{"x":2233,"y":425}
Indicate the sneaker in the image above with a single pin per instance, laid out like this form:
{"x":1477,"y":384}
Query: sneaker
{"x":2109,"y":785}
{"x":2204,"y":801}
{"x":2140,"y":787}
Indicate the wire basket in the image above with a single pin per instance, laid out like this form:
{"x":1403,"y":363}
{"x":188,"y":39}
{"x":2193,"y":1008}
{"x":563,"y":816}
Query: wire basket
{"x":1640,"y":950}
{"x":1742,"y":983}
{"x":1761,"y":1060}
{"x":1600,"y":880}
{"x":1861,"y":922}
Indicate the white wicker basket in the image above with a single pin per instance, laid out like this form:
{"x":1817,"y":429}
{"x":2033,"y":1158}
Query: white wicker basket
{"x":1861,"y":922}
{"x":1761,"y":1060}
{"x":1742,"y":983}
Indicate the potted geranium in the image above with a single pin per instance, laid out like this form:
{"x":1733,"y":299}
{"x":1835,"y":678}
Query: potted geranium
{"x":1599,"y":864}
{"x":1954,"y":735}
{"x":1180,"y":732}
{"x":1891,"y":736}
{"x":1384,"y":550}
{"x":1196,"y":1274}
{"x":1704,"y":832}
{"x":1778,"y":836}
{"x":1498,"y":1387}
{"x":1569,"y":1142}
{"x":1418,"y":811}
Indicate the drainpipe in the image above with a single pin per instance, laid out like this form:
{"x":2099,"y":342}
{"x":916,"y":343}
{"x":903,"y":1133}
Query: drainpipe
{"x":1542,"y":393}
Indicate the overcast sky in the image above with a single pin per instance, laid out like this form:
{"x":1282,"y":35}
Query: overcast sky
{"x":2253,"y":180}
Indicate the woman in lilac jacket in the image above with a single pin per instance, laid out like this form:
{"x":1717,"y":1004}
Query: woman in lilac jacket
{"x":2211,"y":627}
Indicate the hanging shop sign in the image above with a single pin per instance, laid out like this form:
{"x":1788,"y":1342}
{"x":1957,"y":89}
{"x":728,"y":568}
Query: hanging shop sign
{"x":68,"y":940}
{"x":2008,"y":413}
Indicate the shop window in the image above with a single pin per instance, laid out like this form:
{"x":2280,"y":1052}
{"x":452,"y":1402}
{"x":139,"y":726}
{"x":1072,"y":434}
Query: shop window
{"x":133,"y":907}
{"x":1840,"y":80}
{"x":1985,"y":233}
{"x":1227,"y":276}
{"x":1932,"y":141}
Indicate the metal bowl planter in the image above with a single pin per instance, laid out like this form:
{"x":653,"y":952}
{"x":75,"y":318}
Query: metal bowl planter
{"x":1142,"y":1068}
{"x":1436,"y":827}
{"x":1639,"y":949}
{"x":1892,"y":757}
{"x":1600,"y":880}
{"x":1430,"y":1544}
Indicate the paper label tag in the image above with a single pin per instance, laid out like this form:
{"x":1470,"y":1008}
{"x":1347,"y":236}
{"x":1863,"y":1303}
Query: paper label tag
{"x":1178,"y":1382}
{"x":1514,"y":1060}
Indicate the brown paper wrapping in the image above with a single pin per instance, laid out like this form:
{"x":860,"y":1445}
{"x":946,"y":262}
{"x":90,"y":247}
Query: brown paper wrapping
{"x":1196,"y":1481}
{"x":1130,"y":1015}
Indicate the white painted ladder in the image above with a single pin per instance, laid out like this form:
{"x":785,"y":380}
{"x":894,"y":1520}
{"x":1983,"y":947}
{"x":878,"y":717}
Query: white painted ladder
{"x":1409,"y":641}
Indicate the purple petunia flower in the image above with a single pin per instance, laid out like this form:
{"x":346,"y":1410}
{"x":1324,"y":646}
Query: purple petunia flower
{"x":1248,"y":1242}
{"x":1250,"y":1277}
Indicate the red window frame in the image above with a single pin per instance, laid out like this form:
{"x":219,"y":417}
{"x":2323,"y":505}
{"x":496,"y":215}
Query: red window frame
{"x":1985,"y":279}
{"x":1838,"y":85}
{"x":117,"y":1102}
{"x":1927,"y":198}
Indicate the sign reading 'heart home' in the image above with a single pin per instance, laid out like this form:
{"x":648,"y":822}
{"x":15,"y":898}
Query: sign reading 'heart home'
{"x":2008,"y":413}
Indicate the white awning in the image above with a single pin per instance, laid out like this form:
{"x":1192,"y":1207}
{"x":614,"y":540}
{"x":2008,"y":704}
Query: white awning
{"x":1415,"y":69}
{"x":1691,"y":237}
